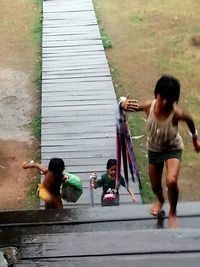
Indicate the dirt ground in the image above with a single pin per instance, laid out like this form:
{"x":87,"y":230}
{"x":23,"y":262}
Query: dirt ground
{"x":18,"y":100}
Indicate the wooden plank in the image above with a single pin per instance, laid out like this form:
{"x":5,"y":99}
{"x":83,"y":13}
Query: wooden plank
{"x":82,"y":58}
{"x":80,"y":51}
{"x":79,"y":113}
{"x":72,"y":43}
{"x":78,"y":96}
{"x":64,"y":103}
{"x":108,"y":243}
{"x":99,"y":148}
{"x":80,"y":142}
{"x":84,"y":162}
{"x":83,"y":120}
{"x":65,"y":145}
{"x":72,"y":124}
{"x":100,"y":108}
{"x":65,"y":9}
{"x":100,"y":117}
{"x":72,"y":29}
{"x":55,"y":63}
{"x":98,"y":86}
{"x":77,"y":154}
{"x":76,"y":80}
{"x":73,"y":73}
{"x":83,"y":66}
{"x":78,"y":70}
{"x":64,"y":76}
{"x":72,"y":17}
{"x":77,"y":136}
{"x":156,"y":260}
{"x":80,"y":62}
{"x":75,"y":129}
{"x":52,"y":50}
{"x":71,"y":37}
{"x":63,"y":22}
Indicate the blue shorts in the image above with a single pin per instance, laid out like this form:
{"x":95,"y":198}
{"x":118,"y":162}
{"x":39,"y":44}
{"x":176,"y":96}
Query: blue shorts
{"x":161,"y":157}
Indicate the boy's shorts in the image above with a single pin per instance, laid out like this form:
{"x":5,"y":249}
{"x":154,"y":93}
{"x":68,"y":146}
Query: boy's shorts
{"x":161,"y":157}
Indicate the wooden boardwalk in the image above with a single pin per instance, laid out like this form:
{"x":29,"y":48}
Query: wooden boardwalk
{"x":127,"y":236}
{"x":78,"y":97}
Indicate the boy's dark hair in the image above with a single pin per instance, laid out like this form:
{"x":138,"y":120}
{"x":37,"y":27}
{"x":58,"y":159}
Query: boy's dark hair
{"x":168,"y":87}
{"x":110,"y":163}
{"x":56,"y":166}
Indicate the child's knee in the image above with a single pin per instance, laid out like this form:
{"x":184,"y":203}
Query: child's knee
{"x":171,"y":183}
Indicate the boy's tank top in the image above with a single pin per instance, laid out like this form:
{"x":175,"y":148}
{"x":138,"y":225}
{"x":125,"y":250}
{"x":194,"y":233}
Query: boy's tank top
{"x":162,"y":135}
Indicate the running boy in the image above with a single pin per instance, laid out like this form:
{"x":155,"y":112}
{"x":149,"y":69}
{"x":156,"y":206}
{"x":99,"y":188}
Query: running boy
{"x":107,"y":182}
{"x":49,"y":190}
{"x":164,"y":143}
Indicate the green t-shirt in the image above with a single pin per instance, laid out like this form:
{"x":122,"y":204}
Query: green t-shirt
{"x":105,"y":182}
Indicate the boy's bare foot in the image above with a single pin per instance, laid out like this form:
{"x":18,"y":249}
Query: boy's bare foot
{"x":173,"y":222}
{"x":155,"y":209}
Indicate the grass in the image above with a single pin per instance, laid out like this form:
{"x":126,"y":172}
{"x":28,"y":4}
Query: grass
{"x":37,"y":39}
{"x":152,"y":38}
{"x":107,"y":42}
{"x":36,"y":122}
{"x":32,"y":198}
{"x":36,"y":126}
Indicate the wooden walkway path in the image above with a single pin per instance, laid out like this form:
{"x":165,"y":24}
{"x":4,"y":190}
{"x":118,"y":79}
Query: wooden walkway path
{"x":127,"y":236}
{"x":78,"y":97}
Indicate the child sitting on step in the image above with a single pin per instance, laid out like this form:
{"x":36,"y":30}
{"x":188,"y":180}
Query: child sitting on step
{"x":49,"y":189}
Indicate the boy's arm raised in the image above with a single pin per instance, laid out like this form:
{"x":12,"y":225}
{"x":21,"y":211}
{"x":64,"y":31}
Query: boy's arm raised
{"x":133,"y":105}
{"x":35,"y":165}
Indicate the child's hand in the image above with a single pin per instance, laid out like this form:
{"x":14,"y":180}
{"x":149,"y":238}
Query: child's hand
{"x":93,"y":176}
{"x":130,"y":104}
{"x":114,"y":191}
{"x":196,"y":144}
{"x":25,"y":165}
{"x":133,"y":197}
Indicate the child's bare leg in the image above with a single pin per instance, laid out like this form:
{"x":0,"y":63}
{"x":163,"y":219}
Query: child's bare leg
{"x":173,"y":167}
{"x":56,"y":203}
{"x":155,"y":174}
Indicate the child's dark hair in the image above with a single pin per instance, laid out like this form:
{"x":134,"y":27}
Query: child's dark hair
{"x":110,"y":163}
{"x":168,"y":87}
{"x":56,"y":166}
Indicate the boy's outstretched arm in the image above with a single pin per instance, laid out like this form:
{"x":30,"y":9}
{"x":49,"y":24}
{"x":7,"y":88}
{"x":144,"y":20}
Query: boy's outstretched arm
{"x":35,"y":165}
{"x":128,"y":104}
{"x":133,"y":105}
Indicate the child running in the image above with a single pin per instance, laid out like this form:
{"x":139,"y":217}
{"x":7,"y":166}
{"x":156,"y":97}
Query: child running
{"x":49,"y":190}
{"x":108,"y":184}
{"x":164,"y":143}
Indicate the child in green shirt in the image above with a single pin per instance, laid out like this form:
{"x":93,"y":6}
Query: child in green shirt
{"x":108,"y":184}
